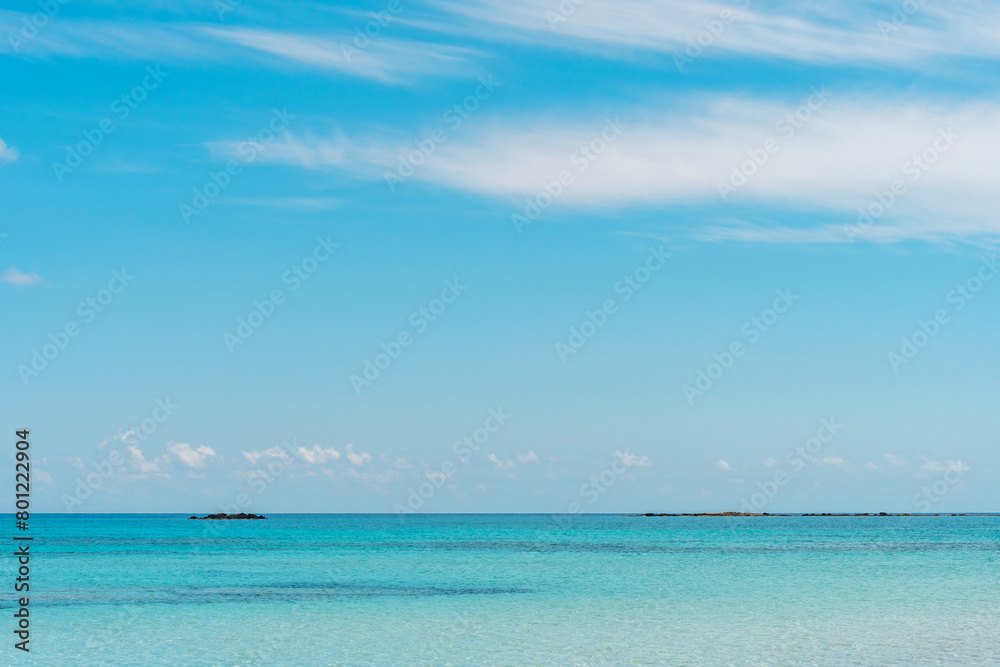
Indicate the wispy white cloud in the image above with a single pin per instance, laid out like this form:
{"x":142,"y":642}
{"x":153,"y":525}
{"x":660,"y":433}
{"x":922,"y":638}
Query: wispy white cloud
{"x":20,"y":278}
{"x":8,"y":153}
{"x":894,"y":460}
{"x":318,"y":454}
{"x":357,"y":458}
{"x":938,"y":466}
{"x":119,"y":39}
{"x":810,"y":32}
{"x":530,"y":457}
{"x":142,"y":467}
{"x":684,"y":156}
{"x":831,"y":461}
{"x":388,"y":60}
{"x":770,"y":462}
{"x":723,"y":465}
{"x":333,"y":462}
{"x":275,"y":452}
{"x":499,"y":463}
{"x":632,"y":460}
{"x":836,"y":31}
{"x":395,"y":462}
{"x":306,"y":151}
{"x":193,"y":457}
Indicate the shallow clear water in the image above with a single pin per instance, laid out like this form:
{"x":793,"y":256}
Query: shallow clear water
{"x":512,"y":590}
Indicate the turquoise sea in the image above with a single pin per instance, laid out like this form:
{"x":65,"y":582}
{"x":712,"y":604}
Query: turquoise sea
{"x":510,"y":590}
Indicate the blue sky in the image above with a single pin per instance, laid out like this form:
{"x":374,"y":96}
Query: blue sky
{"x":662,"y":242}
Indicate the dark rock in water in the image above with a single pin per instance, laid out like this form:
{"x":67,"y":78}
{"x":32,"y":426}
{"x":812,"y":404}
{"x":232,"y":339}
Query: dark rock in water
{"x":882,"y":514}
{"x":229,"y":516}
{"x":702,"y":514}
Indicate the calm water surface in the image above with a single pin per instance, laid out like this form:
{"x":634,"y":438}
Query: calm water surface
{"x":512,"y":590}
